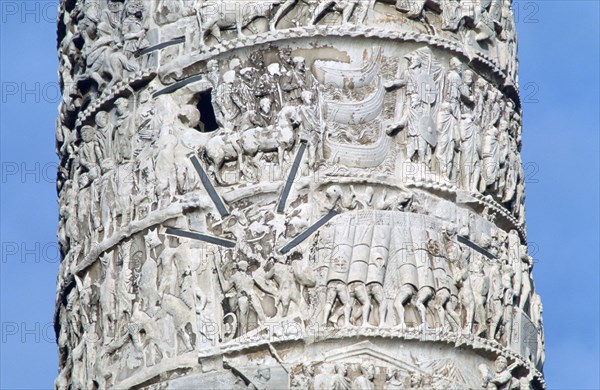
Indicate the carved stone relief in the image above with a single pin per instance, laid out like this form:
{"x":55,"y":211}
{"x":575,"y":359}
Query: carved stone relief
{"x":218,"y":220}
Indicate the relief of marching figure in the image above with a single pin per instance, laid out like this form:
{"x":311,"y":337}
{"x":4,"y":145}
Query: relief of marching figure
{"x":90,"y":63}
{"x":459,"y":129}
{"x":277,"y":190}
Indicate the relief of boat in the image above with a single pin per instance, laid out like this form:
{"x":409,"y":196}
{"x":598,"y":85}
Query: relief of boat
{"x":356,"y":155}
{"x":344,"y":75}
{"x":357,"y":112}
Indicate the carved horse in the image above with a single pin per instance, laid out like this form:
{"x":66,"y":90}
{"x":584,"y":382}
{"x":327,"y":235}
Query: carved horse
{"x":104,"y":60}
{"x":280,"y":138}
{"x":228,"y":146}
{"x":218,"y":16}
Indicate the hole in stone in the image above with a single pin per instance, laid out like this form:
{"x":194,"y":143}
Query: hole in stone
{"x":207,"y":112}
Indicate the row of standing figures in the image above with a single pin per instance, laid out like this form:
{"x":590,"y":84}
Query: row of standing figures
{"x":460,"y":127}
{"x":478,"y":302}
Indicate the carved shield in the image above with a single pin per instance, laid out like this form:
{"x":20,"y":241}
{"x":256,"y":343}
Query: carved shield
{"x":427,"y":129}
{"x":360,"y":253}
{"x":339,"y":259}
{"x":379,"y":254}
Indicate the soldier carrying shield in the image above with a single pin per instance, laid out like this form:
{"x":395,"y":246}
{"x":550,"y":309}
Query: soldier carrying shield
{"x":416,"y":110}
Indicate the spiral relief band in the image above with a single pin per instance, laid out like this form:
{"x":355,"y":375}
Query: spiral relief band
{"x":293,"y":194}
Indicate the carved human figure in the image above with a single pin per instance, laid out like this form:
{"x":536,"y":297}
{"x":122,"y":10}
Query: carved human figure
{"x":526,"y":282}
{"x":508,"y":303}
{"x":415,"y":380}
{"x":196,"y":299}
{"x":337,"y":289}
{"x":103,"y":373}
{"x":221,"y":92}
{"x":357,"y":290}
{"x":102,"y":58}
{"x":282,"y":273}
{"x":481,"y":288}
{"x":167,"y":261}
{"x":470,"y":144}
{"x":149,"y":275}
{"x":303,"y":380}
{"x":263,"y":117}
{"x":344,"y":7}
{"x":511,"y":171}
{"x":449,"y":117}
{"x":293,"y":80}
{"x":103,"y":135}
{"x":416,"y":111}
{"x":375,"y":286}
{"x":242,"y":88}
{"x":446,"y":295}
{"x":501,"y":378}
{"x":124,"y":131}
{"x":86,"y":217}
{"x":445,"y":307}
{"x":89,"y":153}
{"x":462,"y":280}
{"x":133,"y":27}
{"x":518,"y":203}
{"x":247,"y":298}
{"x":340,"y":380}
{"x":165,"y":169}
{"x":365,"y":380}
{"x":240,"y":230}
{"x":126,"y":182}
{"x":108,"y":197}
{"x":536,"y":311}
{"x":452,"y":14}
{"x":146,"y":124}
{"x":108,"y":299}
{"x":346,"y":274}
{"x":287,"y":6}
{"x":447,"y":135}
{"x":402,"y":251}
{"x":71,"y":230}
{"x":470,"y":166}
{"x":310,"y":128}
{"x":123,"y":285}
{"x":426,"y":281}
{"x":504,"y":150}
{"x":490,"y":154}
{"x":267,"y":83}
{"x":394,"y":380}
{"x":492,"y":107}
{"x":73,"y":318}
{"x":495,"y":301}
{"x":508,"y":57}
{"x":78,"y":374}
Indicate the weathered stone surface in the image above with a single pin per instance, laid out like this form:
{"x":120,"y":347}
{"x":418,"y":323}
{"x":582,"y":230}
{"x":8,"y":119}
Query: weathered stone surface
{"x":293,"y":194}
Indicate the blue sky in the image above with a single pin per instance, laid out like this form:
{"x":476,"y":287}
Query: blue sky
{"x":559,"y":53}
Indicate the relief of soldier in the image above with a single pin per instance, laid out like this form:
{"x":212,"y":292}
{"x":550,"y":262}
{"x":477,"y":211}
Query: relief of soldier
{"x":458,"y":126}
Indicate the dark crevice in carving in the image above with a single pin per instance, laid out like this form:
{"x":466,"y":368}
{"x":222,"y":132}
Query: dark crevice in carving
{"x":207,"y":112}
